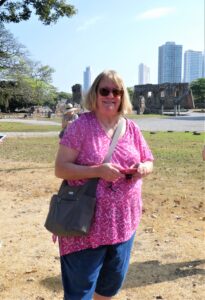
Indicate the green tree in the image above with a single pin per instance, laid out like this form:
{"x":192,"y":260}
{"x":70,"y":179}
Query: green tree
{"x":23,"y":82}
{"x":130,"y":92}
{"x":11,"y":52}
{"x":198,"y":90}
{"x":7,"y":92}
{"x":26,"y":92}
{"x":64,"y":95}
{"x":48,"y":11}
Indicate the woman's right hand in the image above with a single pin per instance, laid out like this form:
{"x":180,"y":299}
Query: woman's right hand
{"x":66,"y":168}
{"x":109,"y":172}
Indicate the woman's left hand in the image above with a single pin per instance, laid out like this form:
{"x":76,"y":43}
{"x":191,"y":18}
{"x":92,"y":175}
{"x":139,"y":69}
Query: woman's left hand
{"x":143,"y":169}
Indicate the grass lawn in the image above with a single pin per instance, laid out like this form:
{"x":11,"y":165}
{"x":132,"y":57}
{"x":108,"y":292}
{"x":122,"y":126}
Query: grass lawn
{"x":23,"y":127}
{"x":174,"y":150}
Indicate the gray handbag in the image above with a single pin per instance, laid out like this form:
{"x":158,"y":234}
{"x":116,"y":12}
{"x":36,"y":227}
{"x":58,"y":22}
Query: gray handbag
{"x":71,"y":210}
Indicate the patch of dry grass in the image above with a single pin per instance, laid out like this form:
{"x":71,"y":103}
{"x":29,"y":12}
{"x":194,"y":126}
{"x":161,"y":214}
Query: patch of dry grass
{"x":168,"y":255}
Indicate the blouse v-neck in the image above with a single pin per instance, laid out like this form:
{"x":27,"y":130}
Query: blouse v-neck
{"x":105,"y":133}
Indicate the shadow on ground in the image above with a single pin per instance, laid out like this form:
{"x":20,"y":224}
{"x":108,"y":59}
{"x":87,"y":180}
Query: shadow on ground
{"x":53,"y":283}
{"x":145,"y":273}
{"x":151,"y":272}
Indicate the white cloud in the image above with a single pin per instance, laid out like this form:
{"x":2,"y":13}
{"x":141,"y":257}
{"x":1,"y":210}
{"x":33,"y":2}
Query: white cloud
{"x":156,"y":13}
{"x":89,"y":23}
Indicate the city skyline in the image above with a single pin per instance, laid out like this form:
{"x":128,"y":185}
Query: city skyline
{"x":194,"y":64}
{"x":143,"y":74}
{"x":170,"y":63}
{"x":86,"y":79}
{"x":102,"y":39}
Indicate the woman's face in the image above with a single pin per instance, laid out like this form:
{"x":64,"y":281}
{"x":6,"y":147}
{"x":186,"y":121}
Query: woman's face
{"x":108,"y":97}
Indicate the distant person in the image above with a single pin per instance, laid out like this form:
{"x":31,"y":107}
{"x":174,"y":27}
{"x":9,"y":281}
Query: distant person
{"x":68,"y":117}
{"x":94,"y":266}
{"x":203,"y":153}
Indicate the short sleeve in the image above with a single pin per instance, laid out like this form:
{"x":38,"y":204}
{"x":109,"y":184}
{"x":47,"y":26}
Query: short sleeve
{"x":74,"y":134}
{"x":142,"y":145}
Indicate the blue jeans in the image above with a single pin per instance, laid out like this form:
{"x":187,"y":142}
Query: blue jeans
{"x":101,"y":270}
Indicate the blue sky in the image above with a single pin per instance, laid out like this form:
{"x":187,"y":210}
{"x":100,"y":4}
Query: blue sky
{"x":112,"y":34}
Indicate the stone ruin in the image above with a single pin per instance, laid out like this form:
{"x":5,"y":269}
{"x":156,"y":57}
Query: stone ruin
{"x":159,"y":98}
{"x":77,"y":94}
{"x":75,"y":100}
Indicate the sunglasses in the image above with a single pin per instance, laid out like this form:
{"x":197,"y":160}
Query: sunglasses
{"x":106,"y":91}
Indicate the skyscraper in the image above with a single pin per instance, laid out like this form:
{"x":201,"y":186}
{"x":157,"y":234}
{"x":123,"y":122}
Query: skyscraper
{"x":143,"y":74}
{"x":203,"y":72}
{"x":193,"y":65}
{"x":86,"y":79}
{"x":170,"y":63}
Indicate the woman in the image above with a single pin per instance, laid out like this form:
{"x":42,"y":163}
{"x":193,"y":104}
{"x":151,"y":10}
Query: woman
{"x":95,"y":266}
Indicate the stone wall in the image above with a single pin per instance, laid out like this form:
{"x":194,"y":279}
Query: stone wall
{"x":157,"y":98}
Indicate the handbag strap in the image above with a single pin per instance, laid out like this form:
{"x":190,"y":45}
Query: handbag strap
{"x":92,"y":183}
{"x":116,"y":135}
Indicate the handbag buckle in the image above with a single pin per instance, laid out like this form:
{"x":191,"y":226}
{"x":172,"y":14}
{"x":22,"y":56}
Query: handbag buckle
{"x":70,"y":193}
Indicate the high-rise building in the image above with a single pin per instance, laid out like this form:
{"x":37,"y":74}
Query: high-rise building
{"x":203,"y":71}
{"x":169,"y":63}
{"x":143,"y":74}
{"x":86,"y":79}
{"x":193,"y":65}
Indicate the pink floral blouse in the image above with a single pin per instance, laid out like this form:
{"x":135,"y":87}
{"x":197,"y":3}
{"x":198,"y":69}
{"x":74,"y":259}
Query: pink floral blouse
{"x":118,"y":210}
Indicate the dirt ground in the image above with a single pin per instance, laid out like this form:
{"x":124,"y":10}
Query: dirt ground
{"x":167,"y":260}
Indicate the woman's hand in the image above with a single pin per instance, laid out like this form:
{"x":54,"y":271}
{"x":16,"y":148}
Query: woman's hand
{"x":65,"y":167}
{"x":144,"y":169}
{"x":109,"y":172}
